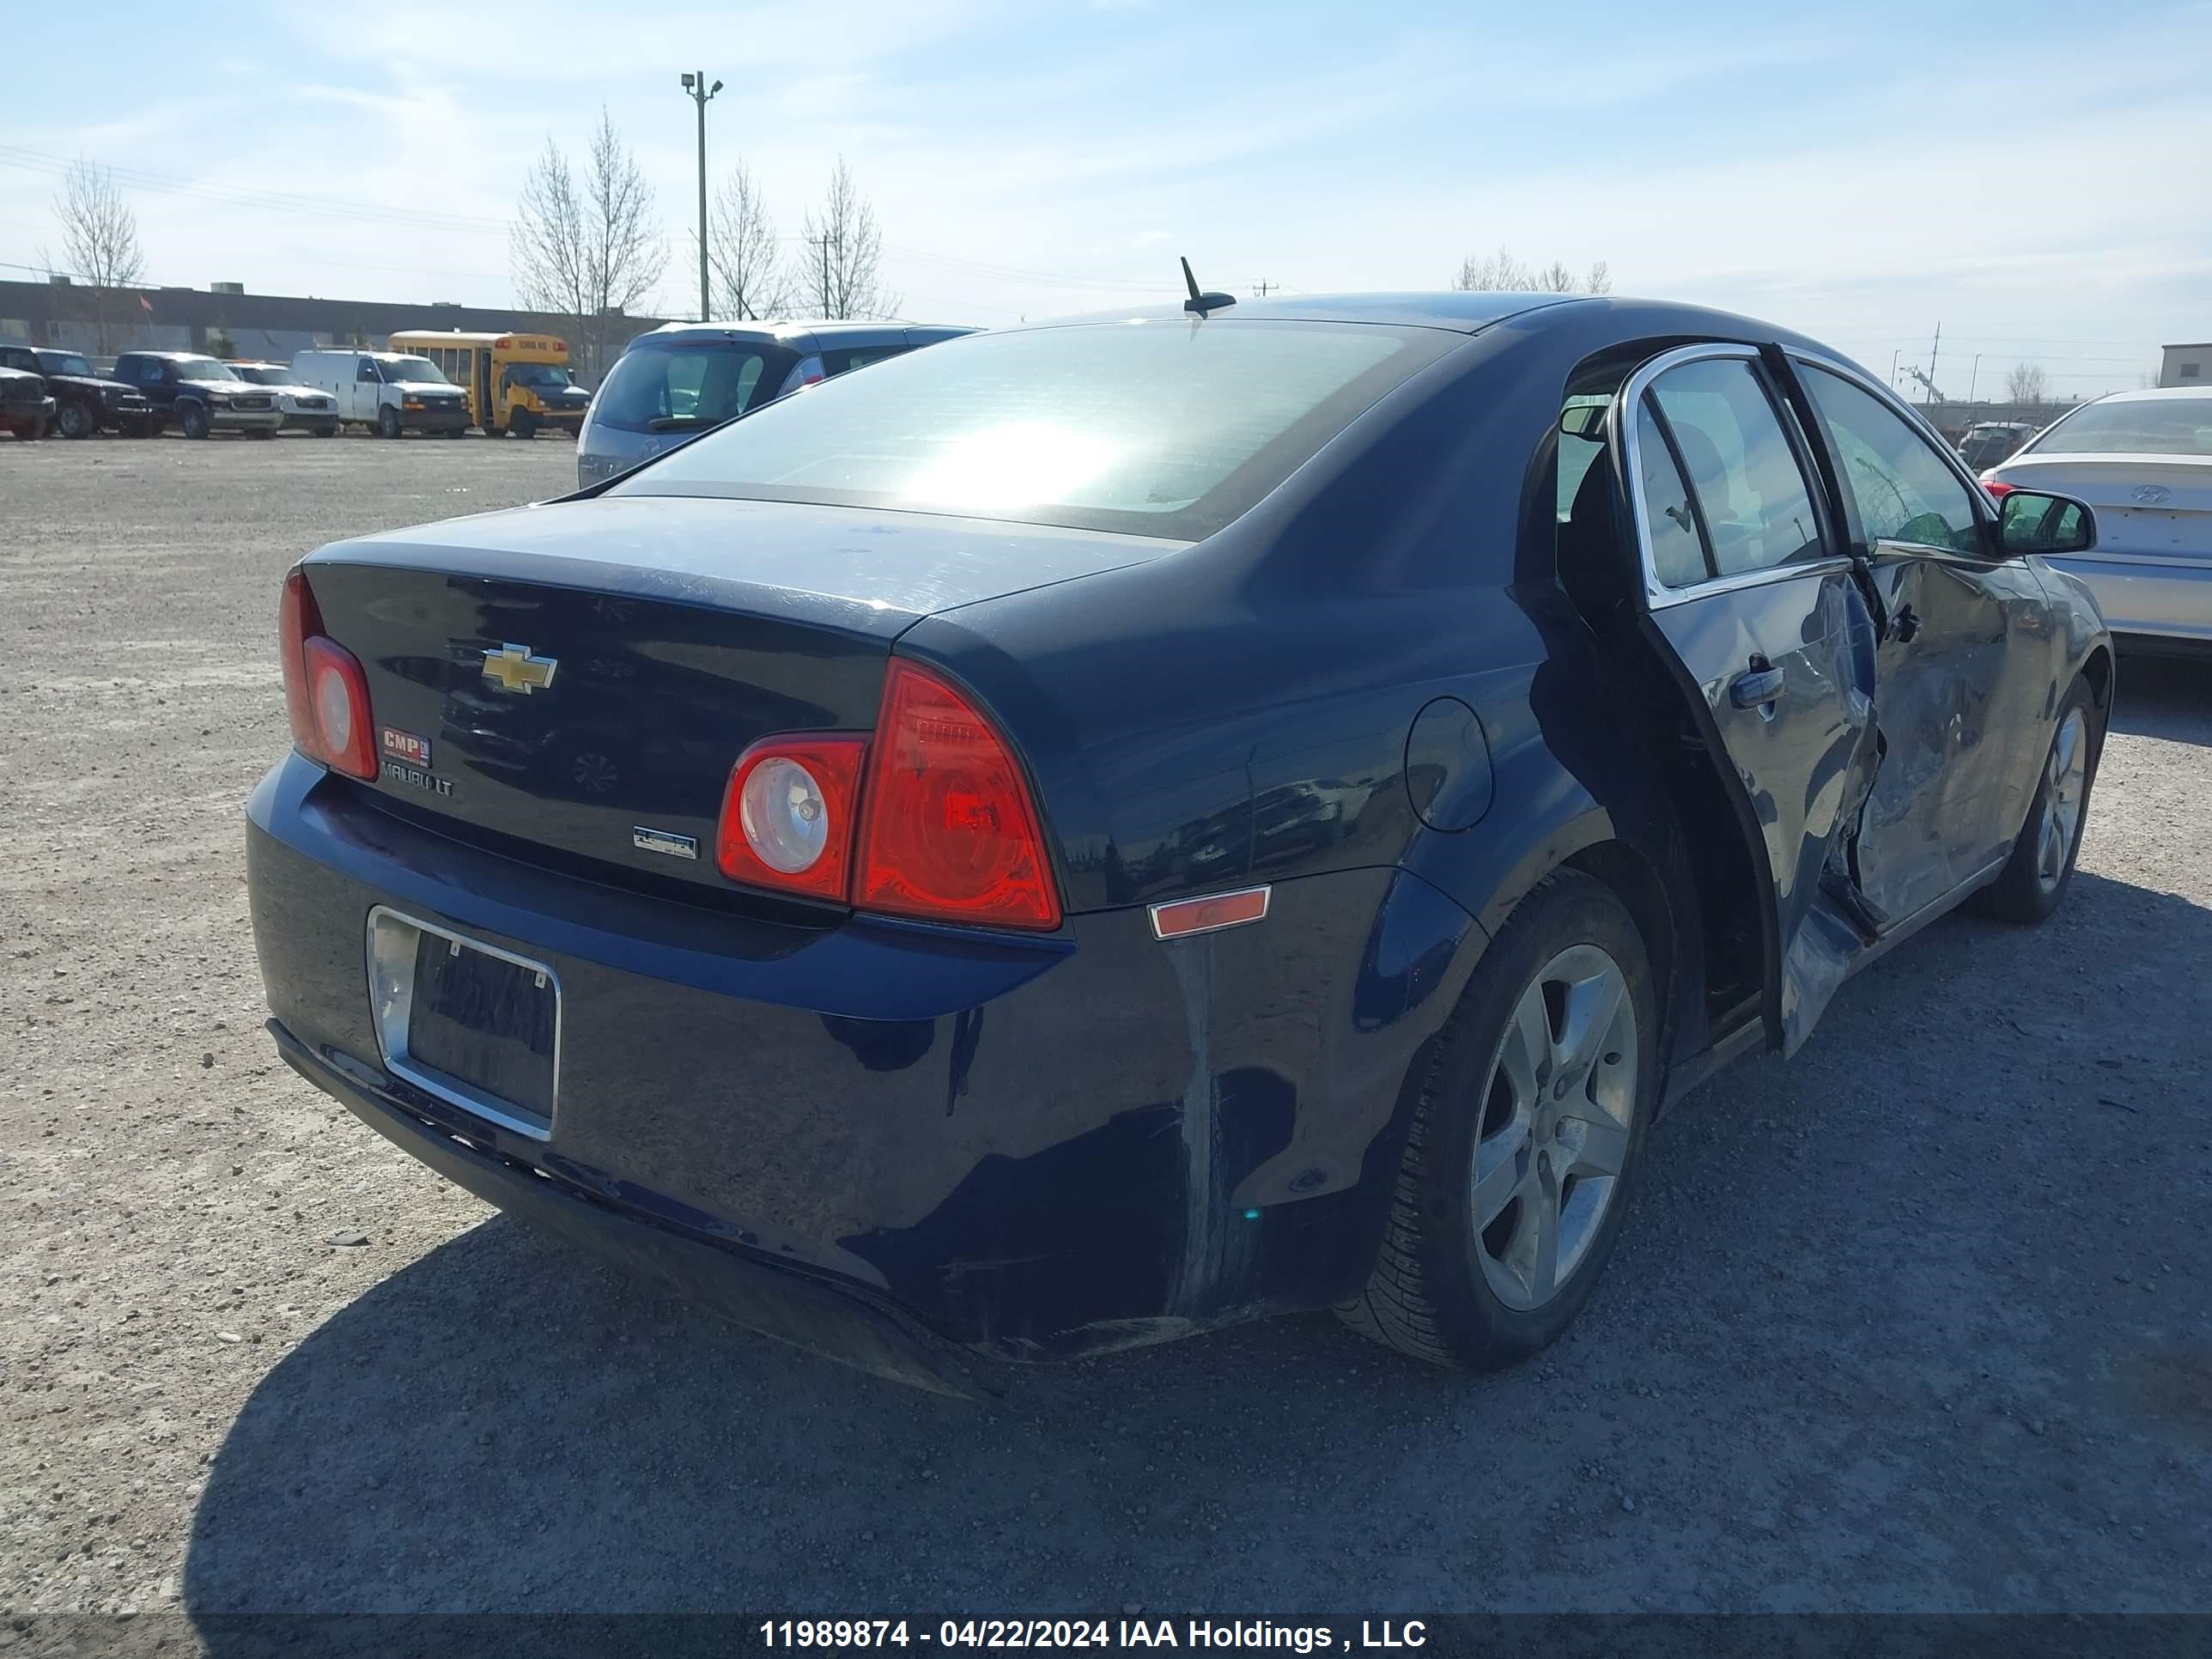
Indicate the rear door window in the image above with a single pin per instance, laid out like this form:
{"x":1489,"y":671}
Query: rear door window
{"x":1678,"y":546}
{"x":1757,"y":509}
{"x":681,"y":386}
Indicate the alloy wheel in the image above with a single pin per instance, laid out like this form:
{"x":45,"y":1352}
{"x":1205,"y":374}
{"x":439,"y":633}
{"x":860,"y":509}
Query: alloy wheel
{"x":1557,"y":1109}
{"x":2065,"y":780}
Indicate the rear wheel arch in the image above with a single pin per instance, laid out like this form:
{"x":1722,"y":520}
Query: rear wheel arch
{"x":1634,"y":875}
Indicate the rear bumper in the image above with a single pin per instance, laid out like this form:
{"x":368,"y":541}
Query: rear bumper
{"x":1028,"y":1147}
{"x":761,"y":1296}
{"x":26,"y":411}
{"x":2149,"y":598}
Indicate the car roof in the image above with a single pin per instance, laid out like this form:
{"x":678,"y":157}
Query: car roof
{"x":790,"y":332}
{"x":2154,"y":394}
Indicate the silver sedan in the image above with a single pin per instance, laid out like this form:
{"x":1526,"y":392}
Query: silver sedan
{"x":2143,"y":459}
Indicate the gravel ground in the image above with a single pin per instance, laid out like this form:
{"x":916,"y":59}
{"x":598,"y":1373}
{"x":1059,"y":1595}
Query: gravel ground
{"x":1918,"y":1320}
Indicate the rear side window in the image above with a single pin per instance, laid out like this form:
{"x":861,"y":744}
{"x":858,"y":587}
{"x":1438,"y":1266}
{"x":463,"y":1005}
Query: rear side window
{"x":1152,"y":427}
{"x":1678,"y":551}
{"x":681,"y":386}
{"x":1757,"y":511}
{"x":1904,"y":490}
{"x":844,"y":361}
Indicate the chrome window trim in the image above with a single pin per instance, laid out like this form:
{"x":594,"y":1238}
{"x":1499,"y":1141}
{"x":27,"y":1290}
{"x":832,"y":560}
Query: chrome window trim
{"x":1984,"y":504}
{"x":389,"y":1018}
{"x":1620,"y":424}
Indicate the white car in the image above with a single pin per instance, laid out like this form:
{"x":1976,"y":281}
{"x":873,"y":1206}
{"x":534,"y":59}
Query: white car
{"x":2143,"y":460}
{"x":304,"y":408}
{"x":393,"y":392}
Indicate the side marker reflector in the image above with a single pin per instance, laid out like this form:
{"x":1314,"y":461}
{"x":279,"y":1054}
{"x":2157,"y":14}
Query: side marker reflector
{"x":1210,"y":914}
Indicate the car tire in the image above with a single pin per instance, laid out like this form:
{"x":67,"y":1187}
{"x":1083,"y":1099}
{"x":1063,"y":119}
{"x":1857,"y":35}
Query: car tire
{"x":75,"y":421}
{"x":1541,"y":1090}
{"x":2036,"y":877}
{"x":523,"y":424}
{"x":387,"y":422}
{"x":193,"y":420}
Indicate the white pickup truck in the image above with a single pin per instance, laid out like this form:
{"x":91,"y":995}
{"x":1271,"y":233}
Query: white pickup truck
{"x":391,"y":391}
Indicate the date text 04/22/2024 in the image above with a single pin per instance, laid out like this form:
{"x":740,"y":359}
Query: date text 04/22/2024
{"x":1094,"y":1633}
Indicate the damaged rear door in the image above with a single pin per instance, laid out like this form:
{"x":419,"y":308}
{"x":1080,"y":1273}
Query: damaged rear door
{"x":1751,"y":594}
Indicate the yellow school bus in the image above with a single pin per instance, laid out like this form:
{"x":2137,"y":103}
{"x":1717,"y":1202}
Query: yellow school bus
{"x":518,"y":384}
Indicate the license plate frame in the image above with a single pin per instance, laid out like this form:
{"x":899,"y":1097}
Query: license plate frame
{"x":394,"y":939}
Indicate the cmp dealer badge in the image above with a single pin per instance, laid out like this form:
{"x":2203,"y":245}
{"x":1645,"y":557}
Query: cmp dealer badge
{"x":406,"y":746}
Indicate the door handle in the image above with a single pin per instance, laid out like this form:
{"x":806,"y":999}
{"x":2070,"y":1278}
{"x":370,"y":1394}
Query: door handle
{"x":1756,"y":688}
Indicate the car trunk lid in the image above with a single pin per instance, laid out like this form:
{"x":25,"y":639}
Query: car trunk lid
{"x":579,"y":678}
{"x":2155,"y":506}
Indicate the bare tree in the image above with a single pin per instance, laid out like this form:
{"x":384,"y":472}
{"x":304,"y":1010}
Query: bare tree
{"x":1501,"y":272}
{"x":99,"y":240}
{"x":2027,"y":383}
{"x":586,"y":249}
{"x":842,"y":252}
{"x":751,"y":279}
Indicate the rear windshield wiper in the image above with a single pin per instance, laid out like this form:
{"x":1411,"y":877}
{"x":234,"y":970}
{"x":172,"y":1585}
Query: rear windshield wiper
{"x":671,"y":422}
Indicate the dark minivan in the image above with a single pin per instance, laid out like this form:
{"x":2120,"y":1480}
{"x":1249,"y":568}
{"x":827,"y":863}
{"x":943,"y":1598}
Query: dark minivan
{"x":682,"y":379}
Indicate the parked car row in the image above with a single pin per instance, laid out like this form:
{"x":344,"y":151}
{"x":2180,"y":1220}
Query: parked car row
{"x":669,"y":385}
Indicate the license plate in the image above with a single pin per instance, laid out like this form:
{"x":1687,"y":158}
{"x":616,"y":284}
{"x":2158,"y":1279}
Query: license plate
{"x":466,"y":1021}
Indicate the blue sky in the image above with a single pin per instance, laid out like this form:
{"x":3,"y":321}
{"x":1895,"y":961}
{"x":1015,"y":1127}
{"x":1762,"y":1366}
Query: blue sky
{"x":2033,"y":176}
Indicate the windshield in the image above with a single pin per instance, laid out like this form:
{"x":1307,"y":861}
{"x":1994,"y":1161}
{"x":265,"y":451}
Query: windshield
{"x":263,"y":374}
{"x":539,"y":374}
{"x":202,"y":369}
{"x":413,"y":369}
{"x":683,"y":385}
{"x":1153,"y":428}
{"x":63,"y":362}
{"x":2134,"y":426}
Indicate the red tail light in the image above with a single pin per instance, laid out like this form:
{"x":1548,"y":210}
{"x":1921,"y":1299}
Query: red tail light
{"x":326,"y":692}
{"x":790,"y":813}
{"x":1997,"y":489}
{"x":930,"y":817}
{"x":950,"y":832}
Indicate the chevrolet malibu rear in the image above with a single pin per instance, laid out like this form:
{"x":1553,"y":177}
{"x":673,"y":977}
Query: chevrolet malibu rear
{"x":1095,"y":832}
{"x":686,"y":868}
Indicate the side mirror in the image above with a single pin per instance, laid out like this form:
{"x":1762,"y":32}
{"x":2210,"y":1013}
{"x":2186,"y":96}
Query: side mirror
{"x":2032,"y":521}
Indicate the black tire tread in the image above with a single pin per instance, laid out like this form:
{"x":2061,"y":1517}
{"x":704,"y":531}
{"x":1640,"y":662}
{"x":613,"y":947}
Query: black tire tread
{"x":1394,"y":1308}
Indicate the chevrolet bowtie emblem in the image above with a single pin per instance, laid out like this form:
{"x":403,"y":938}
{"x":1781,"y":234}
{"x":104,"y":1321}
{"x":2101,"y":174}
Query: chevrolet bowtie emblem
{"x":516,"y":670}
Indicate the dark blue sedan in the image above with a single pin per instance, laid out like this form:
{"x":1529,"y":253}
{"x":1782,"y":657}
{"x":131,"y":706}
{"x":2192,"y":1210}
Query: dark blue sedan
{"x":1090,"y":833}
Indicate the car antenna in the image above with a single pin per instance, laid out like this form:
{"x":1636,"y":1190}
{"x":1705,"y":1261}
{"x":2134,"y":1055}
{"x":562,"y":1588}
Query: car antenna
{"x":1202,"y":304}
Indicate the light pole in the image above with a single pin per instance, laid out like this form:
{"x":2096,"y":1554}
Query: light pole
{"x":1974,"y":379}
{"x":694,"y":83}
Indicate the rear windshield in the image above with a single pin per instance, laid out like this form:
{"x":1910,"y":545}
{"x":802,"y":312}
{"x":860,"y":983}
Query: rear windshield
{"x":1156,"y":428}
{"x":684,"y":385}
{"x":2134,"y":426}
